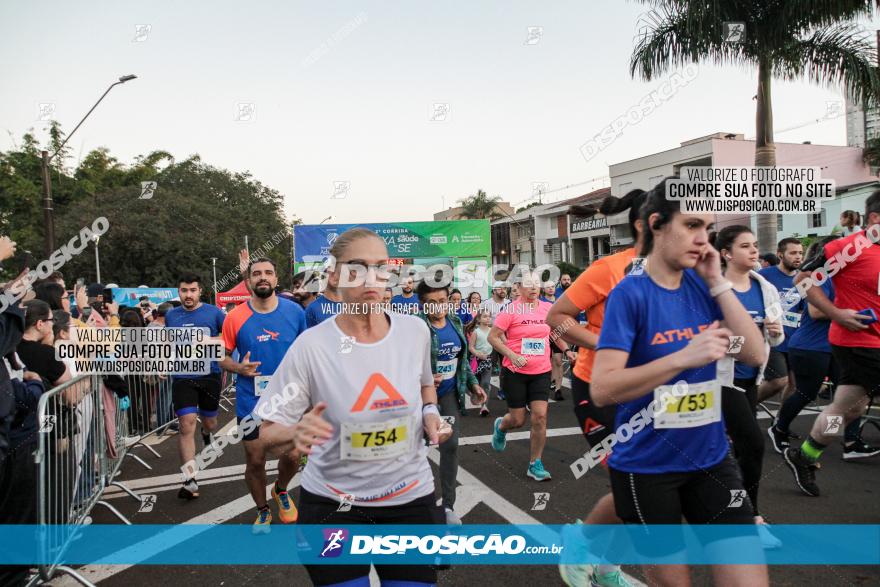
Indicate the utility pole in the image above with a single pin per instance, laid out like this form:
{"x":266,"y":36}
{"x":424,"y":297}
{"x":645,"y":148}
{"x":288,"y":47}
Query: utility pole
{"x":214,"y":267}
{"x":46,"y":159}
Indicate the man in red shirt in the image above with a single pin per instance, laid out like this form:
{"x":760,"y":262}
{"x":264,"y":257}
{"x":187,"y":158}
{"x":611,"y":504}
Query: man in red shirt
{"x":853,"y":264}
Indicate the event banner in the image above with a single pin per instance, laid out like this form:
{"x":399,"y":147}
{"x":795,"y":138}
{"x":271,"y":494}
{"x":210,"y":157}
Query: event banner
{"x":444,"y":238}
{"x":129,"y":296}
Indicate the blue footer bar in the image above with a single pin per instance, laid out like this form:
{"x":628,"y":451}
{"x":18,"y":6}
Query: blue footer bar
{"x":228,"y":544}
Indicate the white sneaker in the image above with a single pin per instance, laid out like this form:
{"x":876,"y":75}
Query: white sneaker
{"x":452,"y":518}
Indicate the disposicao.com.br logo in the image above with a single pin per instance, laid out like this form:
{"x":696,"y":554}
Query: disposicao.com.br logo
{"x":476,"y":545}
{"x":334,"y":540}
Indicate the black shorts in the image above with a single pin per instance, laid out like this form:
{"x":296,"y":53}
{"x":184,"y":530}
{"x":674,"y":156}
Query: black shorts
{"x":596,"y":423}
{"x":521,"y":389}
{"x":253,"y":434}
{"x":315,"y":509}
{"x":712,"y":496}
{"x":200,"y":395}
{"x":858,"y":366}
{"x":777,"y":365}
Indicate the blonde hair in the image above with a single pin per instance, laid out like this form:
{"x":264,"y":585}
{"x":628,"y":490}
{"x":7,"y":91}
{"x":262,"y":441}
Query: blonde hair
{"x":344,"y":240}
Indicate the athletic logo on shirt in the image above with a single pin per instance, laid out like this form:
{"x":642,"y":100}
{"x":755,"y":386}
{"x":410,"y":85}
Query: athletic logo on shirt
{"x":269,"y":335}
{"x":392,"y":398}
{"x":674,"y":335}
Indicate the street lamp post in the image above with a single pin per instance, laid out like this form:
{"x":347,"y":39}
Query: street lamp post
{"x":46,"y":159}
{"x":214,"y":266}
{"x":97,"y":260}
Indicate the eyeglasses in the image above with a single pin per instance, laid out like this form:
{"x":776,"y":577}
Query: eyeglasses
{"x":48,"y":319}
{"x":354,"y":267}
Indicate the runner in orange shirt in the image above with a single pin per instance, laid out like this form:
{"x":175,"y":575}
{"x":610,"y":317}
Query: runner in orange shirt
{"x":588,"y":294}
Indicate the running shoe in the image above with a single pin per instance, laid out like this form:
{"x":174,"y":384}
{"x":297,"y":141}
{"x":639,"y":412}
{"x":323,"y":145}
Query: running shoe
{"x":189,"y":490}
{"x":262,"y":525}
{"x":768,"y":540}
{"x":499,"y":437}
{"x":804,"y":471}
{"x":501,"y":396}
{"x":452,"y":518}
{"x":207,"y":438}
{"x":286,"y":508}
{"x":484,"y":411}
{"x":859,"y":450}
{"x":612,"y":579}
{"x":574,"y":549}
{"x":537,"y":471}
{"x":557,"y":395}
{"x":779,"y":439}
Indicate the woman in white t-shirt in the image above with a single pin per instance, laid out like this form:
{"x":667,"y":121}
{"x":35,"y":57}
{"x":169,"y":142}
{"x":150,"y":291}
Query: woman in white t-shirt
{"x":366,"y":375}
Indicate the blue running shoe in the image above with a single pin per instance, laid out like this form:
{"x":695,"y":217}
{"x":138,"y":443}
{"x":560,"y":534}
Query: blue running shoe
{"x":499,"y":437}
{"x":537,"y":472}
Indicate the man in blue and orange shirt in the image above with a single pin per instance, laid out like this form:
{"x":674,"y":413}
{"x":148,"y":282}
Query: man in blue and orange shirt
{"x":261,"y":330}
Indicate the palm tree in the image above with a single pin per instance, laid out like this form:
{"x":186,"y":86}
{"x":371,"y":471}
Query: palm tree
{"x":480,"y":205}
{"x":787,"y":39}
{"x":871,"y":153}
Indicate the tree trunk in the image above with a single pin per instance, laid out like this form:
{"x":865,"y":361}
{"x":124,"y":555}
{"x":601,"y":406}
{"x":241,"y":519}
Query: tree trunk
{"x":765,"y":151}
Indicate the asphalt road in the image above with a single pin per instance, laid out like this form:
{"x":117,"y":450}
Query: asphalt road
{"x":493,"y":490}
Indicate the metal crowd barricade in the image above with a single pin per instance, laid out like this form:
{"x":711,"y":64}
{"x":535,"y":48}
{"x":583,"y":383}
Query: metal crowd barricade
{"x":151,"y":412}
{"x":71,"y":459}
{"x":85,"y":436}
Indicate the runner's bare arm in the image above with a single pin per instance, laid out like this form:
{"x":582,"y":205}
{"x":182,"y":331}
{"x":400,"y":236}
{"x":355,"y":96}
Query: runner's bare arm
{"x":500,"y":345}
{"x":311,"y":430}
{"x":247,"y":367}
{"x":562,"y":319}
{"x":277,"y":438}
{"x":613,"y":382}
{"x":846,"y":317}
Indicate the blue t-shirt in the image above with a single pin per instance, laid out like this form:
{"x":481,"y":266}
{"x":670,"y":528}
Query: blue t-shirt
{"x":205,"y":316}
{"x":789,"y":299}
{"x":650,"y":322}
{"x":753,"y":301}
{"x":404,"y":305}
{"x":266,"y":337}
{"x":448,"y":356}
{"x":813,"y":334}
{"x":320,"y":310}
{"x":464,"y":315}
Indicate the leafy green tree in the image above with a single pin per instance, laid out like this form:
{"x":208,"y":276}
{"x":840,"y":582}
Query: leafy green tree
{"x":785,"y":39}
{"x":197,"y":212}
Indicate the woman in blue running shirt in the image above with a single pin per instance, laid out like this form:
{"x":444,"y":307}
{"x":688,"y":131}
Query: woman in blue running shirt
{"x":738,"y":247}
{"x":664,"y":331}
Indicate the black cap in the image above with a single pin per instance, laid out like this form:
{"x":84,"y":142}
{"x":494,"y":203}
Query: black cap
{"x":95,"y":290}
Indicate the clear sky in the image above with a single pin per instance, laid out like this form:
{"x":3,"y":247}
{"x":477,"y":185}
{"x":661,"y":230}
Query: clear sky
{"x":345,"y":92}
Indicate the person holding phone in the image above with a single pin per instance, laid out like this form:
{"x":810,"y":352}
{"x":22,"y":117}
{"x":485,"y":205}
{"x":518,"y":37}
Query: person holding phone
{"x":854,"y":335}
{"x":453,"y":378}
{"x":665,"y":329}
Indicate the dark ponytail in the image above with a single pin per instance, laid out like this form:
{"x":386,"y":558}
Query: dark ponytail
{"x":632,"y":201}
{"x":656,"y":203}
{"x":724,"y":238}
